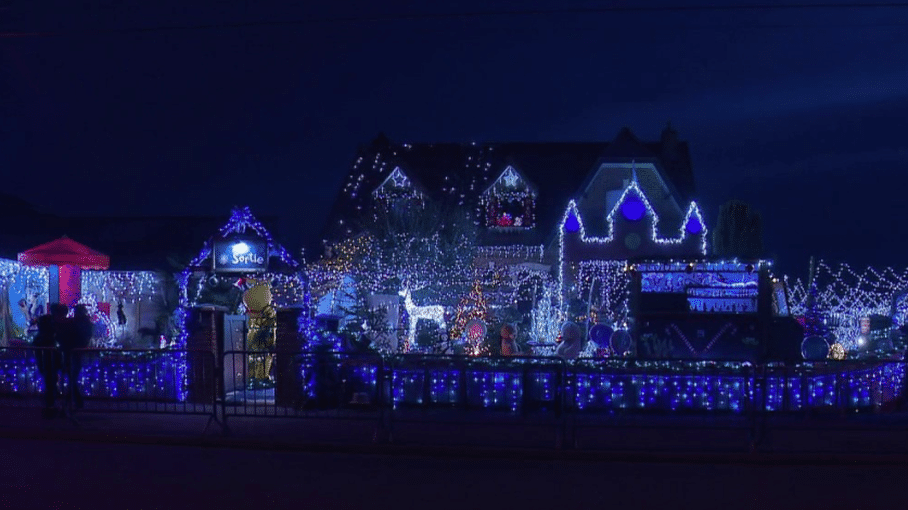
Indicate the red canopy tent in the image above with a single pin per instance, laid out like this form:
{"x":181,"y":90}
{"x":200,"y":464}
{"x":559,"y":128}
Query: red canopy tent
{"x":66,"y":259}
{"x":65,"y":252}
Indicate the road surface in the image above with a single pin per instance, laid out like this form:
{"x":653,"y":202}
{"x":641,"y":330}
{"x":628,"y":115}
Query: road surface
{"x":58,"y":474}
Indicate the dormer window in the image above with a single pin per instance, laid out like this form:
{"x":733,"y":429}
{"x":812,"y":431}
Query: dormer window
{"x":397,"y":186}
{"x":510,"y":202}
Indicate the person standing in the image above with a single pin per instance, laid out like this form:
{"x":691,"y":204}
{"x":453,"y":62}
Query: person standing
{"x":76,"y":334}
{"x":49,"y":358}
{"x":47,"y":362}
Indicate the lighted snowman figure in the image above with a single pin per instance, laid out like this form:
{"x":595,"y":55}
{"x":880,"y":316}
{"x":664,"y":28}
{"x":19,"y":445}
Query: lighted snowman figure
{"x":262,"y":333}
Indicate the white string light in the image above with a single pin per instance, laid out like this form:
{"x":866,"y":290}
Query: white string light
{"x":845,"y":296}
{"x":572,"y":214}
{"x":435,"y":313}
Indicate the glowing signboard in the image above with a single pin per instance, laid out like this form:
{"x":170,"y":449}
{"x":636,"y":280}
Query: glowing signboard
{"x":240,"y":255}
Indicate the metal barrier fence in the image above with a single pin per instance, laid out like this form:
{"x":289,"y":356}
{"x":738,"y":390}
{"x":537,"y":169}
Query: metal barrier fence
{"x":311,"y":385}
{"x":575,"y":400}
{"x":847,"y":394}
{"x":148,"y":381}
{"x":627,"y":396}
{"x":110,"y":381}
{"x":731,"y":399}
{"x":477,"y":392}
{"x":21,"y":381}
{"x":839,"y":386}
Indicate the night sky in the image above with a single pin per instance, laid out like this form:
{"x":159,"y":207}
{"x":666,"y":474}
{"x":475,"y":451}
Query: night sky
{"x":159,"y":108}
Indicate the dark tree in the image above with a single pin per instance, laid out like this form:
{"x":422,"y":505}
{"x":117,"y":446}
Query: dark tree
{"x":814,"y":323}
{"x":425,"y":243}
{"x":739,"y":232}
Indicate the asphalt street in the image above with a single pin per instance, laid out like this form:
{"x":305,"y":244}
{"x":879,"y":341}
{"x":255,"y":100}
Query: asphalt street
{"x":58,"y":474}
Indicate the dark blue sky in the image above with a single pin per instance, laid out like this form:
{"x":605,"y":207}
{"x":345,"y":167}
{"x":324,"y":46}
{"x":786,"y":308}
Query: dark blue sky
{"x":801,"y":112}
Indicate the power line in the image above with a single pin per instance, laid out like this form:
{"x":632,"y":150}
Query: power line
{"x":480,"y":14}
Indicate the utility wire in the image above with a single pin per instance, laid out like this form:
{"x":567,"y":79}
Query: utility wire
{"x":480,"y":14}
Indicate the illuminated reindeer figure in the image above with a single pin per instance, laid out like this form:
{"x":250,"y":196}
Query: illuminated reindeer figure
{"x":434,"y":313}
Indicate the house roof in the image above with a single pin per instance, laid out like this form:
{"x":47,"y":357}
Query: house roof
{"x":242,"y":221}
{"x":459,"y":173}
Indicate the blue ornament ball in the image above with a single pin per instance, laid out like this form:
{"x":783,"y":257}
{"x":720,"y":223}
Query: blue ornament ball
{"x":633,"y":208}
{"x":621,"y":341}
{"x":694,"y":226}
{"x":814,"y":348}
{"x":572,"y":224}
{"x":600,"y":333}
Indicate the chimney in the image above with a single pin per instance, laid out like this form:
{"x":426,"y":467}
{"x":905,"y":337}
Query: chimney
{"x":669,"y":143}
{"x":381,"y":141}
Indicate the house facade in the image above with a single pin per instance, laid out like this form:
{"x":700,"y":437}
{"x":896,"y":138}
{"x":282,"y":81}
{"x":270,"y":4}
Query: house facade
{"x":540,"y":211}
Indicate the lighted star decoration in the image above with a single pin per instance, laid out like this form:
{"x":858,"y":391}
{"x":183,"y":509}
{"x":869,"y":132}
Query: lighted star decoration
{"x":510,"y":177}
{"x":398,"y":177}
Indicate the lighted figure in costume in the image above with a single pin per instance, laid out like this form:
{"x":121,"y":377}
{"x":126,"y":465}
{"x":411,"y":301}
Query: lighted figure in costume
{"x":262,"y":333}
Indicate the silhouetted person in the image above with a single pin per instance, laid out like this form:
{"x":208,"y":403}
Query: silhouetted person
{"x":58,"y":312}
{"x":49,"y":361}
{"x":76,"y":334}
{"x":45,"y":360}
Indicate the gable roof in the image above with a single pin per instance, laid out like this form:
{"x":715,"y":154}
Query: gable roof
{"x":663,"y":197}
{"x":514,"y":179}
{"x":458,"y":173}
{"x":627,"y":145}
{"x":241,"y":220}
{"x":399,"y":179}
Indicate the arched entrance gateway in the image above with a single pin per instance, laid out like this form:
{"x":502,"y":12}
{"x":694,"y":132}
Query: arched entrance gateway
{"x":243,"y":298}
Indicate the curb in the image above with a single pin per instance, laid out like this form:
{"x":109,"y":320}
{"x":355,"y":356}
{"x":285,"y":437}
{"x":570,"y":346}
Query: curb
{"x":466,"y":452}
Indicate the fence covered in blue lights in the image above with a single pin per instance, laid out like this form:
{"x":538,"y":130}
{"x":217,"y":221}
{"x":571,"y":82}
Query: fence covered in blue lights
{"x":476,"y":383}
{"x":145,"y":375}
{"x":501,"y":384}
{"x":672,"y":386}
{"x":622,"y":385}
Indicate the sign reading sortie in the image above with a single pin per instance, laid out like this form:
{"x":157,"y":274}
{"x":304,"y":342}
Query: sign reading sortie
{"x":240,"y":255}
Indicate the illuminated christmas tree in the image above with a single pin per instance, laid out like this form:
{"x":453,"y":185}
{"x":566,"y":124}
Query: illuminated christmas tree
{"x":472,"y":306}
{"x":546,"y":322}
